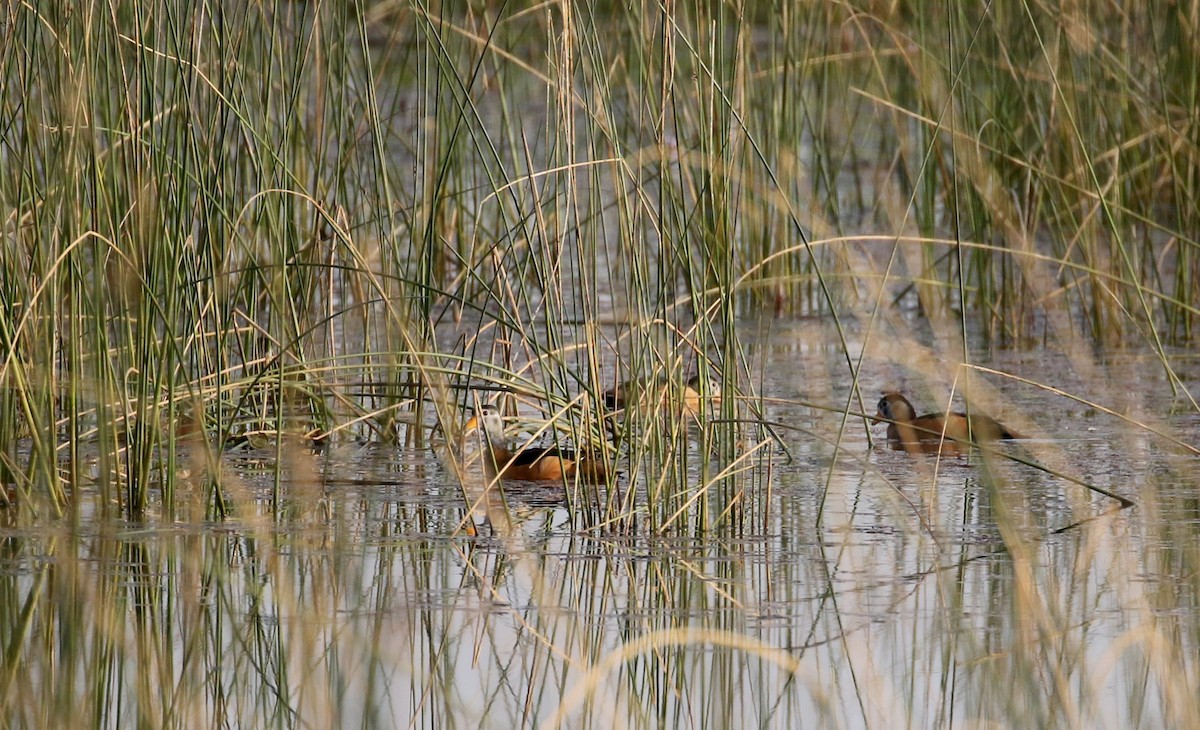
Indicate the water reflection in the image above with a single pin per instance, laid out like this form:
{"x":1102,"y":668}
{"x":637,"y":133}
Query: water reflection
{"x":918,"y":590}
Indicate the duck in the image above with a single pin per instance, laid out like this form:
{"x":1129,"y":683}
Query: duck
{"x":661,"y":391}
{"x":935,"y":433}
{"x":532,"y":464}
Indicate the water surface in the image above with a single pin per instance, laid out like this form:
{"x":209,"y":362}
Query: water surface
{"x":865,"y":588}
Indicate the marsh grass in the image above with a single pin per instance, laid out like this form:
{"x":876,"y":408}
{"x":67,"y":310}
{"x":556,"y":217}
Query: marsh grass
{"x":271,"y":227}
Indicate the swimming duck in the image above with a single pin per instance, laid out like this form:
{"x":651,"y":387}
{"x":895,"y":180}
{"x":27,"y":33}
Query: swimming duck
{"x":533,"y":464}
{"x":935,"y":432}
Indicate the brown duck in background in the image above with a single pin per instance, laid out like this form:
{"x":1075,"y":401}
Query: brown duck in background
{"x":932,"y":433}
{"x":532,"y":464}
{"x":661,"y":393}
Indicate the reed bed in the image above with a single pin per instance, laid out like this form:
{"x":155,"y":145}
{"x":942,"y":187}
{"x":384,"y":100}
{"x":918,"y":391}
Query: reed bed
{"x":242,"y":240}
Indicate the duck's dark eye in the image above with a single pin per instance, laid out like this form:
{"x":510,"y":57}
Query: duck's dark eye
{"x":885,"y":408}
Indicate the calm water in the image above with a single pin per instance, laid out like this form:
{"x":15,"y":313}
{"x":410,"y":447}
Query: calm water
{"x":874,"y":589}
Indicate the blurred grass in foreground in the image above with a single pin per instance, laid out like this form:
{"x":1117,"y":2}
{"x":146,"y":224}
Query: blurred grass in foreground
{"x":284,"y":223}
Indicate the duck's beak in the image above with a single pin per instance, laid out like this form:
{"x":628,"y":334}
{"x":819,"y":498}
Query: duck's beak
{"x":878,"y":419}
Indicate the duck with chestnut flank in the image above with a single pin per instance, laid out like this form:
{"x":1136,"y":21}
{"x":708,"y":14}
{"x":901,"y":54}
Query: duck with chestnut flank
{"x":531,"y":464}
{"x":935,"y":432}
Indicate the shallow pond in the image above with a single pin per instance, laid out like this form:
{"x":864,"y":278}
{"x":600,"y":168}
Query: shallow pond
{"x":251,"y":220}
{"x":865,"y":587}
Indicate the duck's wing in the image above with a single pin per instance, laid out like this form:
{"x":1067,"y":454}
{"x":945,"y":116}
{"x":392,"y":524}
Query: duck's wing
{"x":985,"y":428}
{"x":936,"y":426}
{"x":533,"y":455}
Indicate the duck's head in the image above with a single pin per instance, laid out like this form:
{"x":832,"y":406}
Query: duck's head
{"x":487,"y":420}
{"x":893,"y":407}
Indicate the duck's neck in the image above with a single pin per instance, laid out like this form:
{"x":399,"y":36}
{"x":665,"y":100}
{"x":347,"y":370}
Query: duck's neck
{"x":501,"y":454}
{"x":903,"y":432}
{"x":480,"y":448}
